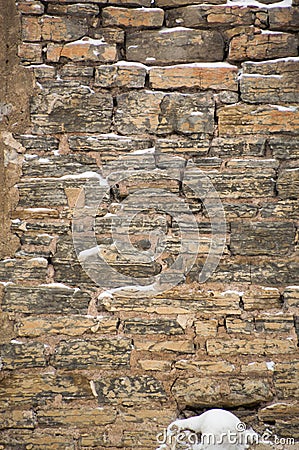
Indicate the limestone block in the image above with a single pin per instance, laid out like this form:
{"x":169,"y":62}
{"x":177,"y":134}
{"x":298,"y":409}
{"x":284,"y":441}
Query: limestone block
{"x":261,"y":46}
{"x":79,"y":417}
{"x":275,"y":272}
{"x":250,"y":119}
{"x":45,"y":299}
{"x":33,"y":7}
{"x":270,"y":82}
{"x":164,"y":113}
{"x":244,"y":146}
{"x":187,"y":45}
{"x":121,"y":75}
{"x":85,"y":49}
{"x":155,"y":364}
{"x":206,"y":367}
{"x":286,"y":379}
{"x":283,"y":209}
{"x":133,"y":17}
{"x":225,"y":392}
{"x":35,"y":144}
{"x":177,"y":346}
{"x":38,"y":193}
{"x":58,"y":166}
{"x":24,"y":388}
{"x":71,"y":108}
{"x":183,"y":146}
{"x":77,"y":9}
{"x":284,"y":19}
{"x":284,"y":147}
{"x":31,"y":29}
{"x":291,"y":295}
{"x":129,"y":390}
{"x":205,"y":328}
{"x":208,"y":16}
{"x":176,"y":3}
{"x":31,"y":52}
{"x":262,"y":298}
{"x":76,"y":71}
{"x":275,"y":323}
{"x":157,"y":326}
{"x":288,"y":184}
{"x":69,"y":325}
{"x":57,"y":29}
{"x":100,"y":352}
{"x":23,"y":269}
{"x":258,"y":238}
{"x":254,"y":346}
{"x":17,"y":418}
{"x":201,"y":75}
{"x":18,"y":355}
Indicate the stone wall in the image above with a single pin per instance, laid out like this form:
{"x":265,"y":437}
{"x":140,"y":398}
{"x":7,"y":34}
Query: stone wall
{"x":156,"y":90}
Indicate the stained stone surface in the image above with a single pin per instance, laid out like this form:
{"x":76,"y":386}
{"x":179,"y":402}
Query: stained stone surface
{"x":126,"y":128}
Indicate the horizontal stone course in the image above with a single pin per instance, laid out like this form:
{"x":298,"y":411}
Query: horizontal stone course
{"x":187,"y":45}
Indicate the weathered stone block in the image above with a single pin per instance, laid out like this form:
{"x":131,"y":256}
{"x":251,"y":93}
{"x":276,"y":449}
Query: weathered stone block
{"x":284,"y":19}
{"x":131,"y":75}
{"x":291,"y":295}
{"x":77,"y":9}
{"x":262,"y":238}
{"x":205,"y":327}
{"x":154,"y":364}
{"x":255,"y":346}
{"x":275,"y":272}
{"x":234,"y":185}
{"x":283,"y":209}
{"x":57,"y":29}
{"x":284,"y":147}
{"x":58,"y":166}
{"x":85,"y":49}
{"x":176,"y":346}
{"x":262,"y":299}
{"x":187,"y":45}
{"x":23,"y":269}
{"x":129,"y":390}
{"x":223,"y":392}
{"x":71,"y":108}
{"x":45,"y":299}
{"x":155,"y":112}
{"x":238,"y":146}
{"x":108,"y":146}
{"x":201,"y":75}
{"x":208,"y":16}
{"x":288,"y":184}
{"x":270,"y":82}
{"x":70,"y":326}
{"x":31,"y":29}
{"x":133,"y":17}
{"x":17,"y":355}
{"x":102,"y":352}
{"x":274,"y":323}
{"x":79,"y":417}
{"x":17,"y":418}
{"x":33,"y":7}
{"x":262,"y":46}
{"x":179,"y":300}
{"x":30,"y":52}
{"x":285,"y":379}
{"x":39,"y":193}
{"x":75,"y":71}
{"x":176,"y":3}
{"x":157,"y":326}
{"x":35,"y":388}
{"x":248,"y":119}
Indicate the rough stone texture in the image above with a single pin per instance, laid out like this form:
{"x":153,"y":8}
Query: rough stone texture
{"x":209,"y":16}
{"x":187,"y":45}
{"x":135,"y":17}
{"x":248,"y":119}
{"x":262,"y":46}
{"x":272,"y":82}
{"x":259,"y":238}
{"x":155,"y":112}
{"x":203,"y":76}
{"x":163,"y":99}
